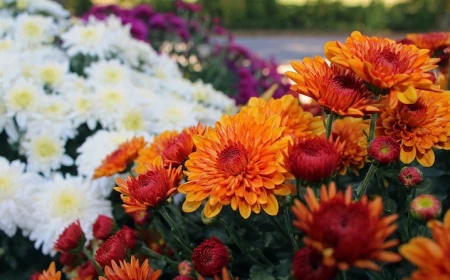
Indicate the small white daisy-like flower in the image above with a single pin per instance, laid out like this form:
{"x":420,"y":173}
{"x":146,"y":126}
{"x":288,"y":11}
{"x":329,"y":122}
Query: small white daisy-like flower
{"x":13,"y":182}
{"x":60,"y":202}
{"x":51,"y":73}
{"x":134,"y":118}
{"x":206,"y":94}
{"x":83,"y":105}
{"x":22,"y":99}
{"x":174,"y":114}
{"x":73,"y":83}
{"x":33,"y":30}
{"x":90,"y":39}
{"x":45,"y":152}
{"x":6,"y":24}
{"x":108,"y":101}
{"x":48,"y":7}
{"x":7,"y":44}
{"x":111,"y":72}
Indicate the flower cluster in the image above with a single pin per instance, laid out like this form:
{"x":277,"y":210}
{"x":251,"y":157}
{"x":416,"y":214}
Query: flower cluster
{"x":72,"y":92}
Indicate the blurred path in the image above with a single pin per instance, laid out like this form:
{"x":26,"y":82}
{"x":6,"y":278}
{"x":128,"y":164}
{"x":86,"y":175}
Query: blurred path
{"x":286,"y":48}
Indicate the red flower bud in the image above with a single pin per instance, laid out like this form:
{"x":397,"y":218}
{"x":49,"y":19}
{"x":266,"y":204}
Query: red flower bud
{"x":128,"y":236}
{"x":185,"y":268}
{"x":113,"y":249}
{"x":87,"y":271}
{"x":384,"y":150}
{"x":410,"y":176}
{"x":103,"y":227}
{"x":35,"y":276}
{"x":66,"y":258}
{"x":307,"y":264}
{"x":72,"y":238}
{"x":425,"y":207}
{"x":183,"y":277}
{"x":140,"y":217}
{"x":210,"y":256}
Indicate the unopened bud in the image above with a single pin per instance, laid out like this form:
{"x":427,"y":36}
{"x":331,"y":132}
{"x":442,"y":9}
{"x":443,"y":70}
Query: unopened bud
{"x":425,"y":207}
{"x":410,"y":176}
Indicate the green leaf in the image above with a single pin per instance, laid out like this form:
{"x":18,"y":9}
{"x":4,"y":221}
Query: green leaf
{"x":283,"y":270}
{"x":259,"y":273}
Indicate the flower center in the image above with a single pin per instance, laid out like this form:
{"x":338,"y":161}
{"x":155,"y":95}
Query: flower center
{"x":414,"y":115}
{"x":89,"y":34}
{"x":426,"y":203}
{"x":233,"y":159}
{"x":133,"y":121}
{"x":6,"y":186}
{"x":23,"y":98}
{"x":46,"y":148}
{"x":150,"y":187}
{"x":50,"y":75}
{"x":83,"y":104}
{"x":32,"y":29}
{"x":113,"y":76}
{"x":389,"y":60}
{"x":67,"y":204}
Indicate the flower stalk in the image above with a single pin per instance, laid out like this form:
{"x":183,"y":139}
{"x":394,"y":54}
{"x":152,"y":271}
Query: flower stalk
{"x":91,"y":259}
{"x":361,"y":190}
{"x":329,"y":127}
{"x":176,"y":233}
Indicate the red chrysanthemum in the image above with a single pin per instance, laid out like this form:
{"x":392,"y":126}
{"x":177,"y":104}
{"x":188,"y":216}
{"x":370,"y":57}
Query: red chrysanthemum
{"x":183,"y":277}
{"x":140,"y":217}
{"x":103,"y":227}
{"x":385,"y":150}
{"x":128,"y":236}
{"x":432,"y":40}
{"x":347,"y":233}
{"x":71,"y":238}
{"x":210,"y":257}
{"x":66,"y":258}
{"x":185,"y":268}
{"x":312,"y":159}
{"x":410,"y":176}
{"x":113,"y":249}
{"x":149,"y":189}
{"x":119,"y":160}
{"x":87,"y":271}
{"x":307,"y":265}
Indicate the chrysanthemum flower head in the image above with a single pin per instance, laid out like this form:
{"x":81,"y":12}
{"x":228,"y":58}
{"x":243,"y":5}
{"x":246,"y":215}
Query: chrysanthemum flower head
{"x":311,"y":159}
{"x":385,"y":64}
{"x":296,"y":121}
{"x":431,"y":40}
{"x":119,"y":160}
{"x":130,"y":271}
{"x":419,"y":127}
{"x":237,"y":163}
{"x":347,"y":233}
{"x":71,"y":239}
{"x":384,"y":150}
{"x":103,"y":227}
{"x":50,"y":273}
{"x":410,"y":176}
{"x":351,"y":142}
{"x":149,"y":189}
{"x":307,"y":264}
{"x":113,"y":249}
{"x":432,"y":257}
{"x":337,"y":89}
{"x":425,"y":207}
{"x":210,"y":257}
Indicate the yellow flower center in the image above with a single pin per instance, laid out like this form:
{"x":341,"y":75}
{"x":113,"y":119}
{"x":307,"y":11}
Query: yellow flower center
{"x":67,"y":204}
{"x":53,"y":109}
{"x":111,"y":98}
{"x":32,"y":29}
{"x":159,"y":73}
{"x":83,"y":105}
{"x":21,"y":4}
{"x":173,"y":114}
{"x":89,"y":34}
{"x":50,"y":75}
{"x":133,"y":121}
{"x":5,"y":44}
{"x":425,"y":203}
{"x":113,"y":76}
{"x":46,"y":148}
{"x":27,"y":71}
{"x":22,"y":98}
{"x":6,"y":185}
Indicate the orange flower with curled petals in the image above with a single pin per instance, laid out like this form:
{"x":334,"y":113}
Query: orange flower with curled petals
{"x":172,"y":146}
{"x":130,"y":271}
{"x":237,"y":163}
{"x":385,"y":64}
{"x":351,"y":142}
{"x":50,"y":273}
{"x":338,"y":90}
{"x":119,"y":160}
{"x":149,"y":189}
{"x":432,"y":40}
{"x":419,"y":127}
{"x":347,"y":233}
{"x":296,"y":121}
{"x":432,"y":257}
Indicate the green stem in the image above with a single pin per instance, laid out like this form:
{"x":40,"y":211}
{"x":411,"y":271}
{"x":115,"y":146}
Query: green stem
{"x":149,"y":252}
{"x":174,"y":229}
{"x":236,"y":241}
{"x":299,"y":188}
{"x":363,"y":186}
{"x":287,"y":223}
{"x":91,"y":259}
{"x":412,"y":196}
{"x":373,"y":122}
{"x":329,"y":124}
{"x":342,"y":275}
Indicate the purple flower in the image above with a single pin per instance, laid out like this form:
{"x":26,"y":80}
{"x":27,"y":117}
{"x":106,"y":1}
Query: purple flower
{"x":191,"y":7}
{"x":138,"y":29}
{"x":142,"y":11}
{"x":175,"y":21}
{"x":157,"y":21}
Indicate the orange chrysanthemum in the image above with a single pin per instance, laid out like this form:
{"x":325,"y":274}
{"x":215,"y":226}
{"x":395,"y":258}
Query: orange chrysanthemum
{"x":337,"y":89}
{"x":418,"y":127}
{"x":348,"y":233}
{"x":119,"y":160}
{"x":50,"y":273}
{"x":431,"y":41}
{"x":130,"y":271}
{"x":237,"y":162}
{"x":172,"y":146}
{"x":432,"y":257}
{"x":149,"y":189}
{"x":351,"y":143}
{"x":296,"y":121}
{"x":385,"y":64}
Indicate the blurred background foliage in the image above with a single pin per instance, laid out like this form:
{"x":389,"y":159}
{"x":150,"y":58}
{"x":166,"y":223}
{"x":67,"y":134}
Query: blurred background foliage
{"x":311,"y":15}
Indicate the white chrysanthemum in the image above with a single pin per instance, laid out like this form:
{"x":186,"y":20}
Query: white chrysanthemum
{"x":33,"y":30}
{"x":60,"y":202}
{"x":73,"y":83}
{"x":111,"y":72}
{"x":108,"y":101}
{"x":47,"y":7}
{"x":134,"y":118}
{"x":22,"y":100}
{"x":9,"y":69}
{"x":7,"y":44}
{"x":45,"y":152}
{"x":6,"y":24}
{"x":90,"y":39}
{"x":206,"y":94}
{"x":208,"y":115}
{"x":51,"y":73}
{"x":13,"y":182}
{"x":165,"y":69}
{"x":174,"y":114}
{"x":83,"y":105}
{"x":181,"y":87}
{"x":96,"y":148}
{"x":7,"y":124}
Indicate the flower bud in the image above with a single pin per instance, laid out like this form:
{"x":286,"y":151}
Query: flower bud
{"x":384,"y":150}
{"x":185,"y":268}
{"x":140,"y":217}
{"x":113,"y":249}
{"x":425,"y":207}
{"x":66,"y":258}
{"x":87,"y":271}
{"x":410,"y":176}
{"x":183,"y":277}
{"x":128,"y":236}
{"x":103,"y":227}
{"x":71,"y":239}
{"x":210,"y":256}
